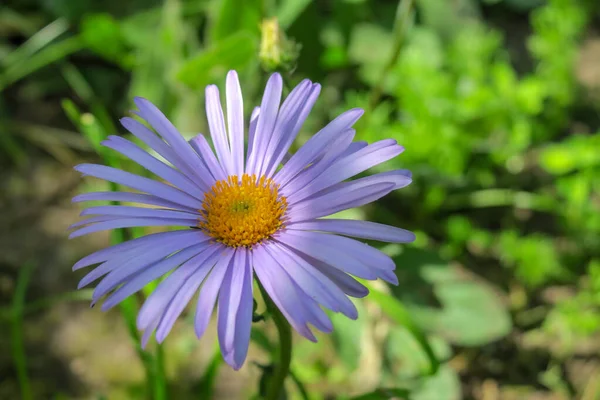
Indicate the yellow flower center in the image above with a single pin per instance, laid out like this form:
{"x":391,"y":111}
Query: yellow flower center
{"x":242,"y":213}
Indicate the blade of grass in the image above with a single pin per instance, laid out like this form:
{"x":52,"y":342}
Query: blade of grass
{"x":17,"y":345}
{"x":207,"y":383}
{"x":400,"y":315}
{"x":95,"y":133}
{"x":47,"y":302}
{"x":36,"y":42}
{"x":160,"y":381}
{"x":44,"y":57}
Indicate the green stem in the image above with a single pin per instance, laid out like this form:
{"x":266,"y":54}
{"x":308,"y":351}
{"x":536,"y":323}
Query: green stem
{"x":17,"y":345}
{"x":282,"y":367}
{"x":401,"y":22}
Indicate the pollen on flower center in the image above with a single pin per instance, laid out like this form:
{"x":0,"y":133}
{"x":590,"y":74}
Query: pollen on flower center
{"x":242,"y":212}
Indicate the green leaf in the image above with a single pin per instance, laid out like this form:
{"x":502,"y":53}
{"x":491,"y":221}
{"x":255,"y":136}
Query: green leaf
{"x":233,"y":16}
{"x":393,"y":308}
{"x":102,"y":34}
{"x":384,"y":394}
{"x":235,"y":52}
{"x":346,"y":334}
{"x":444,"y":385}
{"x":449,"y":301}
{"x":289,"y":10}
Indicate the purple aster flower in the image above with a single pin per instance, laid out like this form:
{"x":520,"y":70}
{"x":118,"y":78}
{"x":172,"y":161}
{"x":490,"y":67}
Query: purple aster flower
{"x":251,"y":214}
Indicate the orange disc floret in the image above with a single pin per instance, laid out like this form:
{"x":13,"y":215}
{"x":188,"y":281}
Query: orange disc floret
{"x":242,"y":212}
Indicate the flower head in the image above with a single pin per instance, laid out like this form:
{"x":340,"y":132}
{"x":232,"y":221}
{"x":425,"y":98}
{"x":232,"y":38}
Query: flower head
{"x":252,"y":216}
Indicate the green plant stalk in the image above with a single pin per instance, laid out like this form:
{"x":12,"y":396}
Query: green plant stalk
{"x":401,"y":22}
{"x":17,"y":345}
{"x":207,"y":383}
{"x":46,"y":56}
{"x":282,"y":367}
{"x":95,"y":132}
{"x":159,"y":383}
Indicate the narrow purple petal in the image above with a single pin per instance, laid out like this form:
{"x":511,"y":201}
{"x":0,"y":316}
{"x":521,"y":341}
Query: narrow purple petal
{"x":287,"y":113}
{"x":165,"y":128}
{"x":315,"y":145}
{"x":131,"y":198}
{"x":163,"y":149}
{"x":279,"y":291}
{"x":319,"y":247}
{"x":183,"y":296}
{"x":360,"y":229}
{"x":266,"y":122}
{"x":327,"y":157}
{"x":135,"y":283}
{"x":144,"y":255}
{"x":209,"y":292}
{"x":158,"y":168}
{"x":235,"y":310}
{"x":313,"y":283}
{"x":252,"y":131}
{"x":235,"y":122}
{"x":140,"y":183}
{"x":349,"y":166}
{"x":285,"y":144}
{"x":202,"y":147}
{"x":351,"y":195}
{"x":134,"y":244}
{"x":241,"y":340}
{"x":93,"y":220}
{"x":345,"y":282}
{"x":353,"y":148}
{"x":139,"y":212}
{"x":216,"y":123}
{"x":148,"y":333}
{"x":129,"y":223}
{"x":197,"y":267}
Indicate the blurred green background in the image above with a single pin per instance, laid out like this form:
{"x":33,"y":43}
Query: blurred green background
{"x":497,"y":103}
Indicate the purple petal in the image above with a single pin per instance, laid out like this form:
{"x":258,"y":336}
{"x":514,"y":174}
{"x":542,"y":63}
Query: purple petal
{"x":126,"y":265}
{"x":165,"y":128}
{"x":315,"y":145}
{"x":137,"y":154}
{"x":148,"y":333}
{"x":345,"y":282}
{"x":328,"y":156}
{"x":162,"y":148}
{"x":296,"y":106}
{"x":216,"y":123}
{"x":134,"y":244}
{"x":202,"y":147}
{"x":252,"y":131}
{"x":197,"y":267}
{"x":349,"y":166}
{"x":353,"y":148}
{"x":360,"y":229}
{"x":209,"y":292}
{"x":130,"y":198}
{"x":235,"y":310}
{"x":284,"y":145}
{"x":281,"y":290}
{"x":184,"y":294}
{"x":129,"y":223}
{"x":131,"y":211}
{"x":235,"y":122}
{"x":135,"y":283}
{"x":351,"y":195}
{"x":140,"y":183}
{"x":266,"y":122}
{"x":313,"y":283}
{"x":320,"y":247}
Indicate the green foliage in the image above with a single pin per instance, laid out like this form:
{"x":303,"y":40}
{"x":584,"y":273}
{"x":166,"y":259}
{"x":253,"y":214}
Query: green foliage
{"x":501,"y":138}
